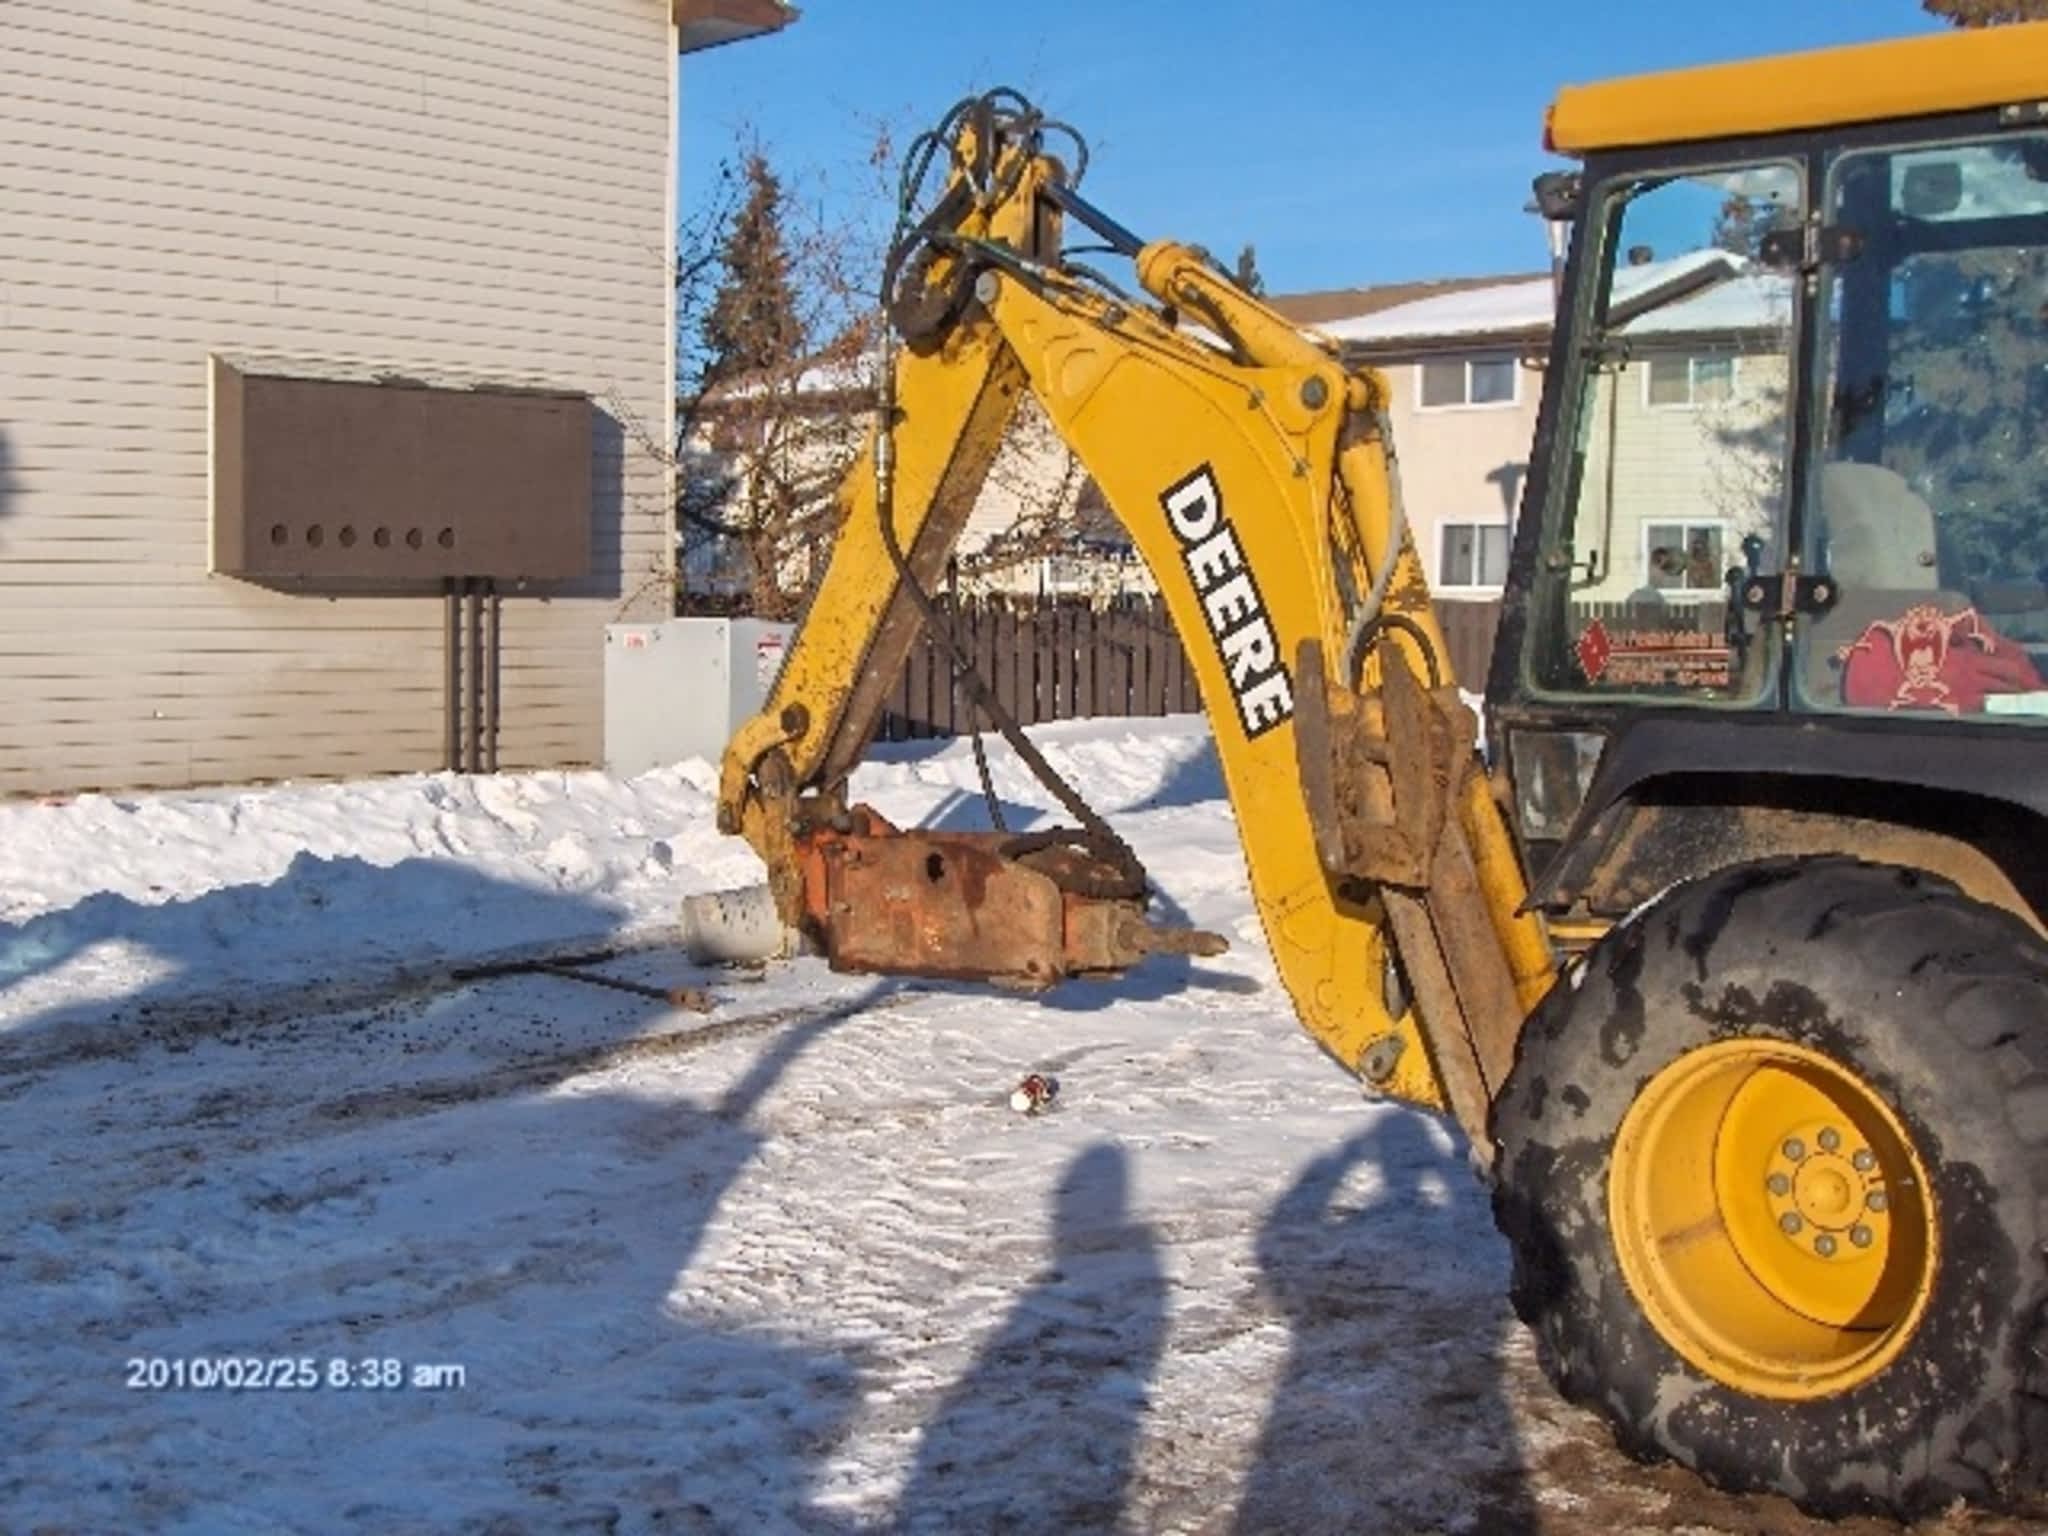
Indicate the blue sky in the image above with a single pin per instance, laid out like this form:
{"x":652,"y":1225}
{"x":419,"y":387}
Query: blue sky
{"x":1351,"y":142}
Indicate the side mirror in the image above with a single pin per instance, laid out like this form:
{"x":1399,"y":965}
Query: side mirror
{"x":1559,"y":194}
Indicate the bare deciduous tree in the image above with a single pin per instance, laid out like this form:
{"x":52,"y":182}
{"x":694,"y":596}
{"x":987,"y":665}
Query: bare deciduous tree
{"x":767,"y":420}
{"x":1986,"y":13}
{"x":767,"y":429}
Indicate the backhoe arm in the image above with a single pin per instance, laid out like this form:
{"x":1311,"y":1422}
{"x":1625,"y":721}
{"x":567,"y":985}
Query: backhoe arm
{"x":1253,"y":476}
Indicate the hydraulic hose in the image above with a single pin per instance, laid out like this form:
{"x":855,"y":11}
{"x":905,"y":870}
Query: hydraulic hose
{"x":1364,"y":626}
{"x":999,"y":118}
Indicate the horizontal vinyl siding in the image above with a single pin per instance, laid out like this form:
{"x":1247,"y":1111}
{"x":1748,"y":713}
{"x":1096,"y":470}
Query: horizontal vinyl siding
{"x":1701,"y":463}
{"x":1454,"y":462}
{"x":463,"y":188}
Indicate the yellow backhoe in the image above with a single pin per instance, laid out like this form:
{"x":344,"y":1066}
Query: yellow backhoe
{"x":1730,"y":959}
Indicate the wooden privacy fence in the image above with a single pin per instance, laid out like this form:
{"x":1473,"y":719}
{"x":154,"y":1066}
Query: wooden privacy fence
{"x":1056,"y":659}
{"x":1063,"y":659}
{"x":1468,"y":626}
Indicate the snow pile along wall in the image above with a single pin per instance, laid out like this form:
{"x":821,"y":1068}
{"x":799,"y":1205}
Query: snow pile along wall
{"x":242,"y":895}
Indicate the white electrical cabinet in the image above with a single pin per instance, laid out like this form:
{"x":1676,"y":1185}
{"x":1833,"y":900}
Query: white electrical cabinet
{"x":677,"y":688}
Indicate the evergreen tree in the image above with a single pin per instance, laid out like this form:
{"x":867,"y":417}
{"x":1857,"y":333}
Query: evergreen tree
{"x":1969,"y":353}
{"x":1967,"y":362}
{"x":1987,"y":13}
{"x":752,"y":324}
{"x":1247,"y":274}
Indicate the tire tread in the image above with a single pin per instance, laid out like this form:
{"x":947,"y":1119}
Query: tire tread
{"x":1889,"y":927}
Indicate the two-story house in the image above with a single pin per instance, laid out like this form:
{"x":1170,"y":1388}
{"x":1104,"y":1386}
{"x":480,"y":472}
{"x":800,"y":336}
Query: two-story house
{"x":1676,"y":469}
{"x":316,"y":321}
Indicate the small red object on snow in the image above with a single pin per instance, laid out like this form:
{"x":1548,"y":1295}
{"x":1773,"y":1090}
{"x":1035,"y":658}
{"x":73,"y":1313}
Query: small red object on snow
{"x":1035,"y":1092}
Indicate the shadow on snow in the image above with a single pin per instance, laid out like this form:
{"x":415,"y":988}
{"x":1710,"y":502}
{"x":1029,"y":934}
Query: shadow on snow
{"x":545,"y":1240}
{"x":1041,"y":1433}
{"x":1391,"y":1413}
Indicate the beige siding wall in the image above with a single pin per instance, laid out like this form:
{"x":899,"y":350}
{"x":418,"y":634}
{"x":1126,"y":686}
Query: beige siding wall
{"x":1714,"y":464}
{"x":467,"y":188}
{"x":1459,"y":464}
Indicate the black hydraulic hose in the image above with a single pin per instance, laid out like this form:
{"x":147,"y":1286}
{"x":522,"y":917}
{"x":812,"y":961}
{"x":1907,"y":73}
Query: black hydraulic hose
{"x":1095,"y":833}
{"x":912,"y":239}
{"x":981,"y":768}
{"x":1369,"y":636}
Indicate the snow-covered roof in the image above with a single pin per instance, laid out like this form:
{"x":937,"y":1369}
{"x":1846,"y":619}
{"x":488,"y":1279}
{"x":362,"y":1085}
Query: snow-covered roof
{"x":1517,"y":306}
{"x":1647,"y":280}
{"x":1701,"y":291}
{"x":840,"y":375}
{"x":823,"y":376}
{"x":1752,"y":301}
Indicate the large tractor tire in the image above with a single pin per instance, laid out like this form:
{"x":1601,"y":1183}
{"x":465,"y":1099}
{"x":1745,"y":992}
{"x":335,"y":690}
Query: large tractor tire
{"x":1774,"y":1165}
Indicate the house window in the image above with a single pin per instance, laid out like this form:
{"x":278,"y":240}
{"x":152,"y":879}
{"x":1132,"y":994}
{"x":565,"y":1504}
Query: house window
{"x":1675,"y":382}
{"x":1685,"y":557}
{"x":1472,"y":555}
{"x":1456,"y":381}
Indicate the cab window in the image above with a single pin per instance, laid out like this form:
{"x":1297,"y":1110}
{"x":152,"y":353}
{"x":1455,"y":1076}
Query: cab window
{"x":1681,"y":438}
{"x":1930,"y":494}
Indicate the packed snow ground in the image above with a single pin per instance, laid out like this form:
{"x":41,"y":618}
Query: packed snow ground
{"x":791,"y":1266}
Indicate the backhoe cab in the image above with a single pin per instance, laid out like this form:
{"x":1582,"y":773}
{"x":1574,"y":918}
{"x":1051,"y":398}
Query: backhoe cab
{"x":1731,"y":963}
{"x":1770,"y":695}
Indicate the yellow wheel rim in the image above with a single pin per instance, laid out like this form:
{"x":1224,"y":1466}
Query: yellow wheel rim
{"x":1772,"y":1218}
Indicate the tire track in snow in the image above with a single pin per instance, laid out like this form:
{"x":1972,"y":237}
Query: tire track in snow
{"x":250,"y":1109}
{"x":429,"y":1096}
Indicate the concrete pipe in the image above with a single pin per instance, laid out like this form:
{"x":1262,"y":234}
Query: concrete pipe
{"x":737,"y":927}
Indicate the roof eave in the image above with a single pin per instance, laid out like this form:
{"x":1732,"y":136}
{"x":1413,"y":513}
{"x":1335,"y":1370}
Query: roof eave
{"x":1408,"y":349}
{"x":1761,"y":338}
{"x":702,"y":24}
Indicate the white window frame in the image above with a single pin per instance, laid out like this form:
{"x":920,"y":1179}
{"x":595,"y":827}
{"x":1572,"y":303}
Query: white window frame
{"x":1692,"y":401}
{"x":1685,"y":594}
{"x":1468,"y":403}
{"x":1489,"y":589}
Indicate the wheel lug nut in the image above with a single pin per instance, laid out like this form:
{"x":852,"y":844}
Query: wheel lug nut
{"x":1876,"y":1200}
{"x":1864,"y":1160}
{"x":1860,"y":1236}
{"x":1778,"y":1184}
{"x":1824,"y":1246}
{"x":1790,"y":1222}
{"x":1795,"y":1148}
{"x":1830,"y":1139}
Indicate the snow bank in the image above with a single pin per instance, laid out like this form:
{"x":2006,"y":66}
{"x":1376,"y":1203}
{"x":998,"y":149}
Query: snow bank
{"x":160,"y":899}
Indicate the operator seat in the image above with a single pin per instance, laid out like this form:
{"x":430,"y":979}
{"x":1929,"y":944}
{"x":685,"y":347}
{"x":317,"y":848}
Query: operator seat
{"x":1880,"y":533}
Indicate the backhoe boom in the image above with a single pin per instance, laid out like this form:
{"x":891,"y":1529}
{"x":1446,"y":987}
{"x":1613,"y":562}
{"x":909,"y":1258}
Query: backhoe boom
{"x":1253,"y":475}
{"x":1773,"y":1163}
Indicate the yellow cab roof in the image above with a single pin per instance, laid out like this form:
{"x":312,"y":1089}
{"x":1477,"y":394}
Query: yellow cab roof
{"x":1869,"y":82}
